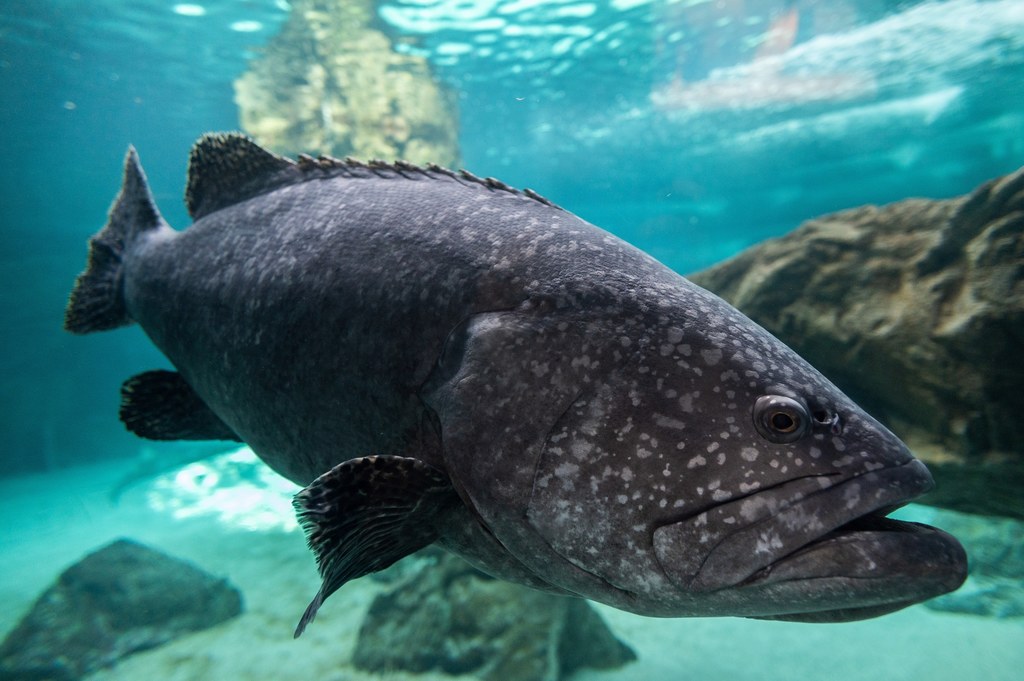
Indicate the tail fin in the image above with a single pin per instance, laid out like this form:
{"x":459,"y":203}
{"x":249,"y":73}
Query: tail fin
{"x":97,"y":300}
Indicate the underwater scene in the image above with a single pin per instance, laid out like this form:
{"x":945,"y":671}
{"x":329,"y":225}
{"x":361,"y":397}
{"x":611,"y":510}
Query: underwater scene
{"x":356,"y":413}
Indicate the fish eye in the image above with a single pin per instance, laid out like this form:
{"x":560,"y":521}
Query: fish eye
{"x":783,"y":422}
{"x":780,"y":419}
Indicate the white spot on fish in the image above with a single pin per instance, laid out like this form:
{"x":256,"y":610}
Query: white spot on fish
{"x":768,"y":541}
{"x":851,"y":495}
{"x":566,"y":470}
{"x":668,"y":422}
{"x":711,"y":357}
{"x":581,"y":449}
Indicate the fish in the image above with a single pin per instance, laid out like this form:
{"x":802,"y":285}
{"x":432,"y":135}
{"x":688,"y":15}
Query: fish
{"x":439,"y":358}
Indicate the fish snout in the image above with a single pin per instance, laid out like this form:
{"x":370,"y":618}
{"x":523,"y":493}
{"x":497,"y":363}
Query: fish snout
{"x":861,"y":443}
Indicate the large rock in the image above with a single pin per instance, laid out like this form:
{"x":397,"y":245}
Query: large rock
{"x":330,"y":83}
{"x":450,"y":618}
{"x":119,"y":600}
{"x":916,"y":310}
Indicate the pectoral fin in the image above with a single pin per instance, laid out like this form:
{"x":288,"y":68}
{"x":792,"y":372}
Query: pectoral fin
{"x":367,"y":513}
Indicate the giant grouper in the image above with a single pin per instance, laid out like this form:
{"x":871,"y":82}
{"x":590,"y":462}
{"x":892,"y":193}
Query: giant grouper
{"x":440,"y":358}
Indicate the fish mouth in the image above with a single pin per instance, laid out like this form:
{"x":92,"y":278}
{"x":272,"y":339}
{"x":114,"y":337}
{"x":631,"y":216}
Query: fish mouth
{"x":812,"y":550}
{"x":881,"y":563}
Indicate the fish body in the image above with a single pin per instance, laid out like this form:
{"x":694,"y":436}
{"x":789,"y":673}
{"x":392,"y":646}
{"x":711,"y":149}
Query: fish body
{"x":441,"y":358}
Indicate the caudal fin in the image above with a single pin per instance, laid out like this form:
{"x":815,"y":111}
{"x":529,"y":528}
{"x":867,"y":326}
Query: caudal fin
{"x":97,"y":300}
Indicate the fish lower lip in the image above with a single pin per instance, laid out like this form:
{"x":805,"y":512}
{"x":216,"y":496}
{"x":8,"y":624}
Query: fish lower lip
{"x":883,"y":564}
{"x":875,"y":522}
{"x":737,"y":553}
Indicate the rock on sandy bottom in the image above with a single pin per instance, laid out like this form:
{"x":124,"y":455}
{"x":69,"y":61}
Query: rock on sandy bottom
{"x":453,"y":619}
{"x":123,"y":598}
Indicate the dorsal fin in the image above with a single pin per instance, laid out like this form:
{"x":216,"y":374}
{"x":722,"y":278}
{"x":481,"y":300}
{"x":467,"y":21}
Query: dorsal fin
{"x":227,"y":168}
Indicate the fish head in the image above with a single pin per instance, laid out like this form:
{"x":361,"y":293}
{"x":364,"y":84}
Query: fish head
{"x":713,"y":471}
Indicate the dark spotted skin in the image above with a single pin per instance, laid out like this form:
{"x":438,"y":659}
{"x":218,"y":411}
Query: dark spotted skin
{"x":592,"y":408}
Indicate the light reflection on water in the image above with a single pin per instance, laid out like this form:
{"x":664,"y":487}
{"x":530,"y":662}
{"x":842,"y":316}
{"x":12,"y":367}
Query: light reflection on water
{"x":234,"y":489}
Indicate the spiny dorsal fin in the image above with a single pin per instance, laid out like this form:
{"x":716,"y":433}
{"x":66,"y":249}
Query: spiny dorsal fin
{"x":228,"y":168}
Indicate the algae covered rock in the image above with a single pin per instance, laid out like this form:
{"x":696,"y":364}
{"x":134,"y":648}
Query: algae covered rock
{"x":451,"y":618}
{"x":916,"y":310}
{"x":119,"y":600}
{"x":331,"y":83}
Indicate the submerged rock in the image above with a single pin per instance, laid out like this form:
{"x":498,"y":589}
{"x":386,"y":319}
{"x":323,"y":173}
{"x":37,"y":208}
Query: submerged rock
{"x":451,"y":618}
{"x":916,"y":310}
{"x":119,"y":600}
{"x":330,"y":82}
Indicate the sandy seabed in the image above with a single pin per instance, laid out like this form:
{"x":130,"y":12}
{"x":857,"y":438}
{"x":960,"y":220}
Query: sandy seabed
{"x":50,"y":521}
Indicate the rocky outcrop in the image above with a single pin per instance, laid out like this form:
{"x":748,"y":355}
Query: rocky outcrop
{"x":331,"y":84}
{"x":451,"y":618}
{"x":119,"y":600}
{"x":916,"y":310}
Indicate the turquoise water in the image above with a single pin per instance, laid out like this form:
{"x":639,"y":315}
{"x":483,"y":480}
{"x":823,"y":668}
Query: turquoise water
{"x":872,"y":102}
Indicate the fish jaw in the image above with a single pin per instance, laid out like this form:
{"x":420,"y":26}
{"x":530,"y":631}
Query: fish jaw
{"x":815,"y":550}
{"x":884,"y":564}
